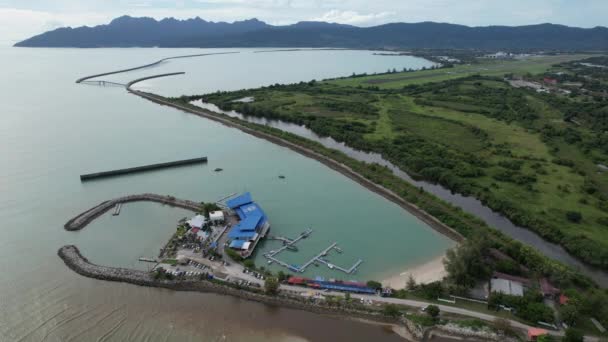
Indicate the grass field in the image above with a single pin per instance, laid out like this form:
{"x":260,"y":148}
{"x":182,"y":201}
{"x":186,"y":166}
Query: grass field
{"x":486,"y":68}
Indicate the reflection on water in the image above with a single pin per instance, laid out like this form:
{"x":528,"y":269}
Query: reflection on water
{"x":468,"y":204}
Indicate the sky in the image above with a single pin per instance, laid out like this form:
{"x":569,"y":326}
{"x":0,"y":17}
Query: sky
{"x":20,"y":19}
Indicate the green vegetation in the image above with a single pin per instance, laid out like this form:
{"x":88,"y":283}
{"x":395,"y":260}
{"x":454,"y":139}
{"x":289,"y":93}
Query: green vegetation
{"x":433,"y":311}
{"x":530,"y":307}
{"x":374,"y":284}
{"x":465,"y":265}
{"x":171,"y":262}
{"x":485,"y":68}
{"x":573,"y":335}
{"x":512,"y":148}
{"x":271,"y":285}
{"x":391,"y":310}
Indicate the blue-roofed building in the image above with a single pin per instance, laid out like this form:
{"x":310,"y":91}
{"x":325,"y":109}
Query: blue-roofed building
{"x":239,"y":201}
{"x":253,"y":224}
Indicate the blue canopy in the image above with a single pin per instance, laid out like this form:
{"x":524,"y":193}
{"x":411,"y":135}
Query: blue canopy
{"x":240,"y":235}
{"x":250,"y":223}
{"x":239,"y":201}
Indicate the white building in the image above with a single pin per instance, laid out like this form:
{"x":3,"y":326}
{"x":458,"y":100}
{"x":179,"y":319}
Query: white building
{"x":216,"y":216}
{"x":197,"y":221}
{"x":506,"y":286}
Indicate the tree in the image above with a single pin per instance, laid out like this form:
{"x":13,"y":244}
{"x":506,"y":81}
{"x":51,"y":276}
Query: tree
{"x":271,"y":285}
{"x":466,"y":263}
{"x":411,"y":283}
{"x":374,"y":284}
{"x":573,"y":335}
{"x":391,"y":310}
{"x":282,"y":276}
{"x":249,"y":263}
{"x":433,"y":311}
{"x":347,"y":297}
{"x":574,"y":216}
{"x":503,"y":326}
{"x":569,"y":313}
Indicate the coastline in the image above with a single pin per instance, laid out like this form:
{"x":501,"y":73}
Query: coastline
{"x":74,"y":260}
{"x":413,"y":209}
{"x":425,"y":273}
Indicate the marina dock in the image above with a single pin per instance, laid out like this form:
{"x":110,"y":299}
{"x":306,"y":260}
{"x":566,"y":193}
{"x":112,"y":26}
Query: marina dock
{"x":319,"y":258}
{"x":144,"y":168}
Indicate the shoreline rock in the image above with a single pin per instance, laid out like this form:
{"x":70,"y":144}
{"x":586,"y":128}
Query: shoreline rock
{"x":72,"y":257}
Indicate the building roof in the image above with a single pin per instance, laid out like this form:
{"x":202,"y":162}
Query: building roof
{"x":237,"y":243}
{"x":197,"y":221}
{"x":241,"y":235}
{"x":563,"y":299}
{"x":240,"y":244}
{"x":511,"y":277}
{"x":216,"y":215}
{"x":250,"y":223}
{"x":508,"y":287}
{"x":194,"y":230}
{"x":239,"y":201}
{"x":533,"y":333}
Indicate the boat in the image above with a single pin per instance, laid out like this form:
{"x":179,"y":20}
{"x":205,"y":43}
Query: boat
{"x":281,"y":177}
{"x":219,"y":169}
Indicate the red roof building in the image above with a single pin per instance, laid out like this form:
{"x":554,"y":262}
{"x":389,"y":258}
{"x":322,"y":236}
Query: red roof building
{"x":550,"y":80}
{"x":535,"y":333}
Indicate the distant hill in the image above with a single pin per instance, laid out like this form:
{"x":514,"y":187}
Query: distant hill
{"x":147,"y":32}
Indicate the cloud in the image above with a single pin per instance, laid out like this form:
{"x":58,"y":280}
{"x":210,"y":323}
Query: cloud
{"x":354,"y":18}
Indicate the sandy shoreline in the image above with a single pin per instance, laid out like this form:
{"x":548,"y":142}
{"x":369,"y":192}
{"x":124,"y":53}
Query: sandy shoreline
{"x":426,"y":273}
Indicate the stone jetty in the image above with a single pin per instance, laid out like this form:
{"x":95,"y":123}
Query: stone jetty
{"x":83,"y":219}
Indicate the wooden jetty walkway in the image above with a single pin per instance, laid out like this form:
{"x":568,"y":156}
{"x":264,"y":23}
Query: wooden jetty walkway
{"x":303,"y":235}
{"x":118,"y":172}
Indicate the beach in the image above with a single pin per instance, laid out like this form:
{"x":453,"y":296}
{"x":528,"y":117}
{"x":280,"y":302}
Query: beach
{"x":428,"y":272}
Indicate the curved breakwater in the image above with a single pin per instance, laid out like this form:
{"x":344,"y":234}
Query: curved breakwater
{"x":85,"y":78}
{"x":83,"y":219}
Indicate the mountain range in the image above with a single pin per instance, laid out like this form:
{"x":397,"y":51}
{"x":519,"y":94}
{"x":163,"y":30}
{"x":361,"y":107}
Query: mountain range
{"x":128,"y":31}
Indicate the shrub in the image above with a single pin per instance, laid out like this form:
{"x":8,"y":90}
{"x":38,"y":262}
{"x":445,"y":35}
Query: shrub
{"x":374,"y":284}
{"x":574,"y":216}
{"x":271,"y":285}
{"x":433,"y":311}
{"x":573,"y":335}
{"x":391,"y":310}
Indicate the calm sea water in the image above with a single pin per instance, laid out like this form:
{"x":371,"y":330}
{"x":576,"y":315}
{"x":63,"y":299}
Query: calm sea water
{"x":52,"y":130}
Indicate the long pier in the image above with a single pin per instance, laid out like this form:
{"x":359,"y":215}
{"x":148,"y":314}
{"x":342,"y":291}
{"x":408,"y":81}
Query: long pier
{"x":82,"y":79}
{"x":318,"y":256}
{"x":118,"y":172}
